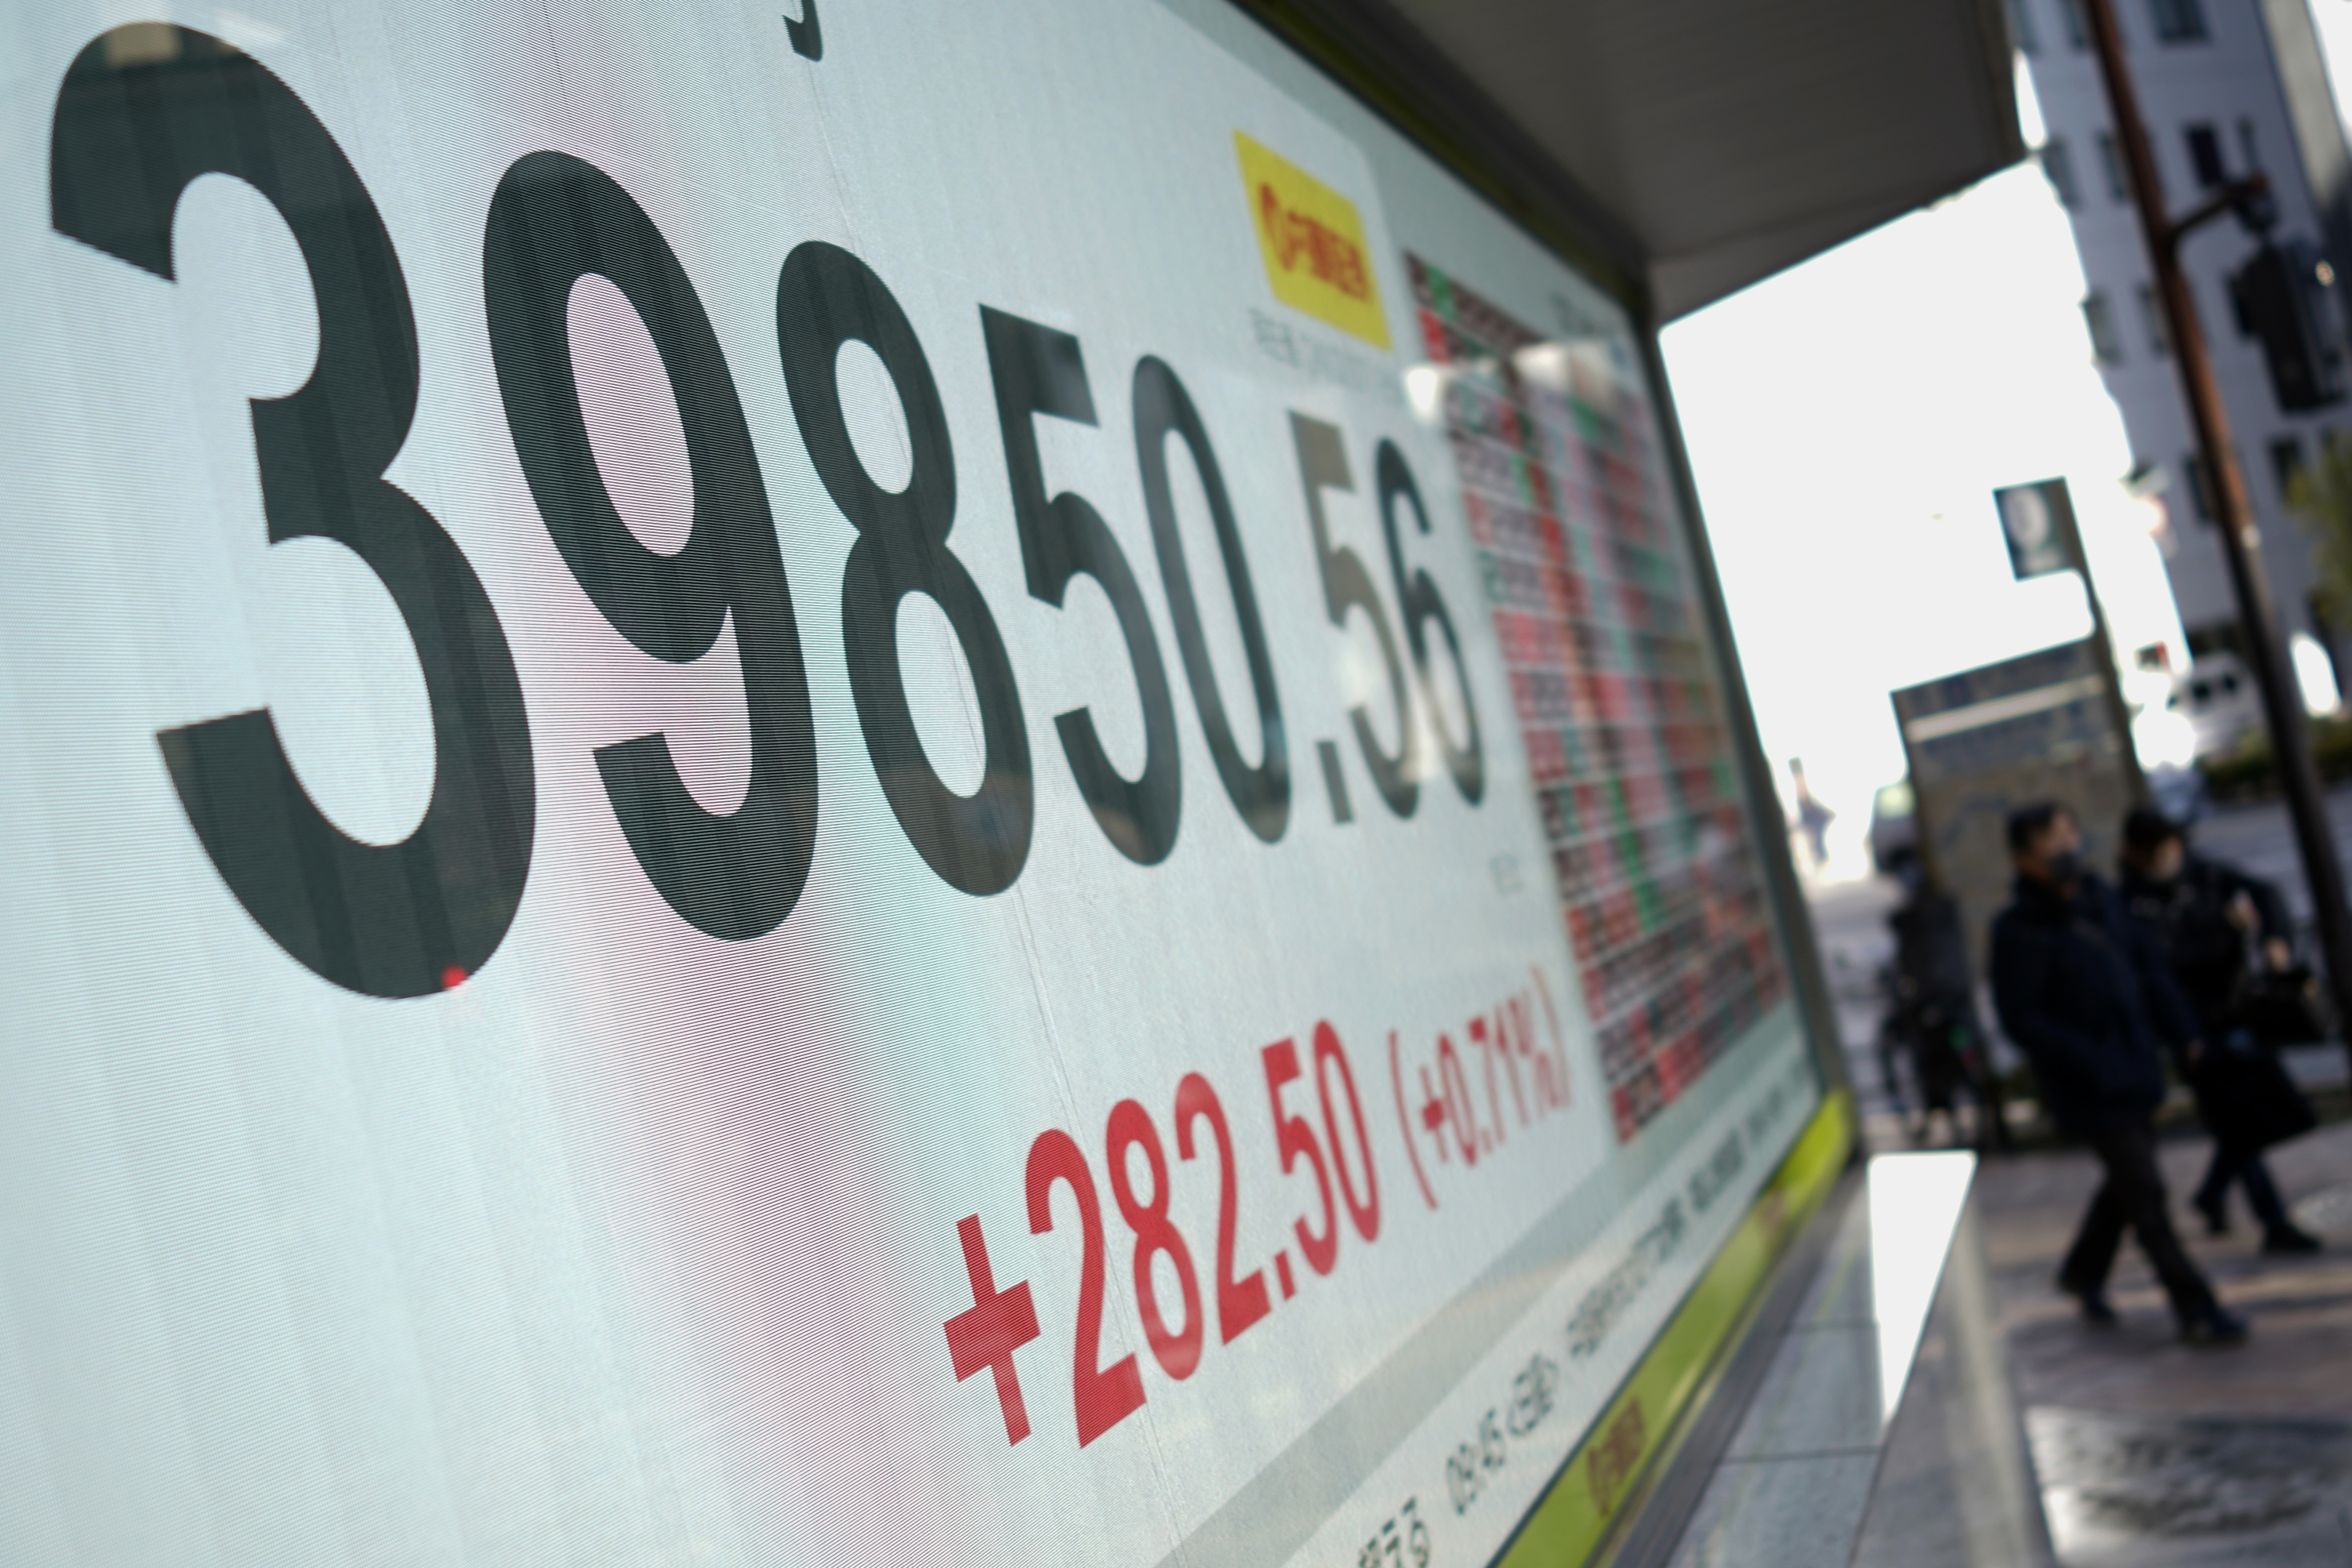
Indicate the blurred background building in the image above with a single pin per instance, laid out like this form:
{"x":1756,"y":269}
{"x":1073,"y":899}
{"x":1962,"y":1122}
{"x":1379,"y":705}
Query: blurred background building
{"x":2227,"y":88}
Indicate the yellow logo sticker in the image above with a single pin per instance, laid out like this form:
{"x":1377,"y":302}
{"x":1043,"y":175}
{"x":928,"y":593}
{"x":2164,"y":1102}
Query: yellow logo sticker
{"x":1313,"y":243}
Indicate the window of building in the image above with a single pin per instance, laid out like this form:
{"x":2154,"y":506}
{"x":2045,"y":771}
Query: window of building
{"x":2237,"y":317}
{"x":2070,"y":18}
{"x":2205,"y":155}
{"x":2106,"y":346}
{"x":2151,"y":319}
{"x":2020,"y":28}
{"x":2178,"y":21}
{"x":2058,"y":165}
{"x":2253,"y":159}
{"x":2286,"y":461}
{"x":2111,"y":163}
{"x":2200,"y":488}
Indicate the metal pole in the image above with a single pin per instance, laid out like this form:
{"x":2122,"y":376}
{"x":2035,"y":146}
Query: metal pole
{"x":2241,"y":540}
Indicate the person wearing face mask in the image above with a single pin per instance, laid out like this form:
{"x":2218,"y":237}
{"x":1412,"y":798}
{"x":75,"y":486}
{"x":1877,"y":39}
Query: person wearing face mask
{"x":2208,"y":917}
{"x":2086,"y":993}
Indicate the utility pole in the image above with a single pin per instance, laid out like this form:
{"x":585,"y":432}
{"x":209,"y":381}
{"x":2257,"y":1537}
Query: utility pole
{"x":2241,"y":540}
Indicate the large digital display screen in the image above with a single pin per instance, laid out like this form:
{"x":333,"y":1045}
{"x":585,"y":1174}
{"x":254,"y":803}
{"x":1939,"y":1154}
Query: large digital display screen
{"x":909,"y":781}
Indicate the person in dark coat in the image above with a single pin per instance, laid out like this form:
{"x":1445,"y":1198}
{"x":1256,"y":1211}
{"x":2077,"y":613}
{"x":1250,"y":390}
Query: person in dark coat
{"x":2205,"y":914}
{"x":1934,"y":1011}
{"x":2082,"y":989}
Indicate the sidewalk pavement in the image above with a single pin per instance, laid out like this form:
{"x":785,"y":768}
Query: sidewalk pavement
{"x":2151,"y":1453}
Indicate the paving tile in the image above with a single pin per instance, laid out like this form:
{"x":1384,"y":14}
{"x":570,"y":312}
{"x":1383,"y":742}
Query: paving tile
{"x":2158,"y":1455}
{"x":1820,"y":1395}
{"x":1779,"y":1513}
{"x":2190,"y":1491}
{"x":2299,"y":1364}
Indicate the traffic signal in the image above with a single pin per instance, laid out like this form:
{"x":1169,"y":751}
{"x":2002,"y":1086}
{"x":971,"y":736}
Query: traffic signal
{"x":2286,"y":297}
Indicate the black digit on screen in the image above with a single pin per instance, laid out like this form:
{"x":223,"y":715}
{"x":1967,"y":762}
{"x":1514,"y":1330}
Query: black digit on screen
{"x":825,"y":297}
{"x":1164,"y":409}
{"x":1346,"y":585}
{"x":1039,"y":371}
{"x":554,"y":220}
{"x":1418,"y":598}
{"x":806,"y":33}
{"x":147,"y":109}
{"x":144,"y":110}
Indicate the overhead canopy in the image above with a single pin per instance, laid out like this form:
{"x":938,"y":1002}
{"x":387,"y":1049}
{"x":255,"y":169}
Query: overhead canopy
{"x":1704,"y":144}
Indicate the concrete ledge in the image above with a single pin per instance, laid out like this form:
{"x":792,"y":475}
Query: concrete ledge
{"x":1883,"y":1429}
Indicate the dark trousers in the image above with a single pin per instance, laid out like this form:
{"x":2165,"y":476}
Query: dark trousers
{"x":2243,"y":1165}
{"x":2133,"y":1196}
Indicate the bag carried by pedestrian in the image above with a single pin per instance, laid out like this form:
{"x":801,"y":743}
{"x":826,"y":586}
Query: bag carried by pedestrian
{"x":2280,"y":1007}
{"x":2245,"y":1096}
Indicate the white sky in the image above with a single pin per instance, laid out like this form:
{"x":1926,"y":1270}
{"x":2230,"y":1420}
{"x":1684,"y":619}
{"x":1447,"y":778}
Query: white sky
{"x":1848,"y":422}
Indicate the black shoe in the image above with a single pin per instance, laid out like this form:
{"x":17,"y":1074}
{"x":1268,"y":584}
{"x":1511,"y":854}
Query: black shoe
{"x":2096,"y":1312}
{"x":2287,"y":1238}
{"x":2215,"y":1328}
{"x":2216,"y":1210}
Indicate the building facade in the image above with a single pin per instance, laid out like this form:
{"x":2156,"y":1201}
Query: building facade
{"x":2226,"y":88}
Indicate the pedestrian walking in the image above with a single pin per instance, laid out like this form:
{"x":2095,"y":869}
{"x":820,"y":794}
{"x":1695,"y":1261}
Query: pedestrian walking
{"x":2228,"y":938}
{"x":1932,"y":1011}
{"x":2082,"y":989}
{"x":1813,"y":819}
